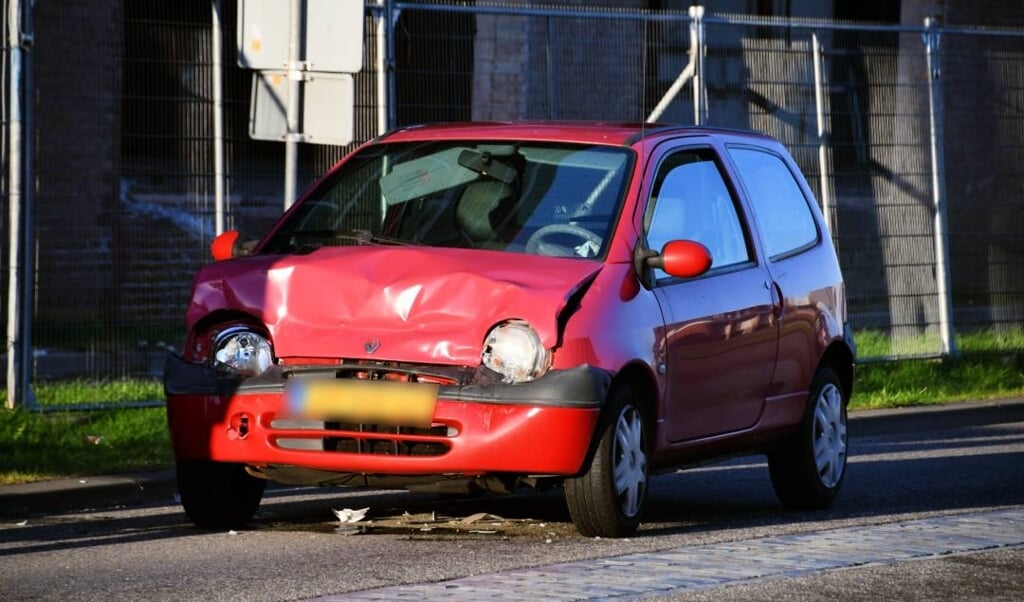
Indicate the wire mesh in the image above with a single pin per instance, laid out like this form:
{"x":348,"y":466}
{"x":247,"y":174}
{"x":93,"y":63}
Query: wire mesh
{"x":983,"y":92}
{"x":126,"y":200}
{"x":124,"y":113}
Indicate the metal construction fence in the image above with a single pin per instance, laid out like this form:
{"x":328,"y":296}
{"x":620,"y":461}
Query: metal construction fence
{"x":137,"y":121}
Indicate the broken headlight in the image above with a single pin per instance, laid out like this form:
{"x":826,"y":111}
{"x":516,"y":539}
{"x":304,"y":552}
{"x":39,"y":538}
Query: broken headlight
{"x":239,"y":350}
{"x":514,"y":350}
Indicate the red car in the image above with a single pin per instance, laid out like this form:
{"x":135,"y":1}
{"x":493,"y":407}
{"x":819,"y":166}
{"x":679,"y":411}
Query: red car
{"x":487,"y":306}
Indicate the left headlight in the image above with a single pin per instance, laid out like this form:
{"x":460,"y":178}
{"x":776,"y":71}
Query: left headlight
{"x":242,"y":351}
{"x":514,"y":350}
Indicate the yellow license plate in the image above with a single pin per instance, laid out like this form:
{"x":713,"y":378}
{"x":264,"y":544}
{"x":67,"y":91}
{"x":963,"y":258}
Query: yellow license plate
{"x":364,"y":401}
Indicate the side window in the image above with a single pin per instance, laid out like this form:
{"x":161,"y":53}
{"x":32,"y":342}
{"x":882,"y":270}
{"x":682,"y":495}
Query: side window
{"x":780,"y":207}
{"x":690,"y":201}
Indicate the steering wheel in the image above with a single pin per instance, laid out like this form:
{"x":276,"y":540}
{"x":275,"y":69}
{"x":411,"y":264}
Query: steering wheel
{"x":538,"y":246}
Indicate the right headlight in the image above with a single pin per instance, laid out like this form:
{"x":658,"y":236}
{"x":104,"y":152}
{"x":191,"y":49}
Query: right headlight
{"x":242,"y":351}
{"x":514,"y":350}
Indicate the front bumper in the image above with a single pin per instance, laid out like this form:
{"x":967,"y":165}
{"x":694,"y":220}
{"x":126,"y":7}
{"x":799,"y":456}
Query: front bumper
{"x":544,"y":427}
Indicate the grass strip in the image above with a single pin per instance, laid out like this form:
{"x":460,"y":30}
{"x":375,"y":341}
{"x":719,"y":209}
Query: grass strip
{"x":39,"y":446}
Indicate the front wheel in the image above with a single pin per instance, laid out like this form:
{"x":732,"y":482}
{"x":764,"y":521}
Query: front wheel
{"x":217,"y":495}
{"x":608,"y":499}
{"x":808,"y":469}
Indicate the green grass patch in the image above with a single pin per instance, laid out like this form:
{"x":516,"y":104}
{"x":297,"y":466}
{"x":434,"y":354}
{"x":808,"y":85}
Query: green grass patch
{"x":876,"y":344}
{"x":39,"y":446}
{"x":86,"y":391}
{"x":36,"y":446}
{"x":922,"y":382}
{"x":989,"y":365}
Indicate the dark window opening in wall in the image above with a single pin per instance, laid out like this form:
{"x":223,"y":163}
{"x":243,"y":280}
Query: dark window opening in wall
{"x":434,"y":66}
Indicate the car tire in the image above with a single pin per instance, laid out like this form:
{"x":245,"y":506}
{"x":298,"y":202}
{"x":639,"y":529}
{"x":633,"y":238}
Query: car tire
{"x":608,"y":499}
{"x":217,"y":495}
{"x":809,"y":468}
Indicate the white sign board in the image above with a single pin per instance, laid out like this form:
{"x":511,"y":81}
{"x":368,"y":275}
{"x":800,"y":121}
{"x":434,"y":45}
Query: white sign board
{"x":327,"y":107}
{"x":334,"y":35}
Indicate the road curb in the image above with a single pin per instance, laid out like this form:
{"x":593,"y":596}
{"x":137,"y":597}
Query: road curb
{"x":83,"y":493}
{"x":873,"y":423}
{"x":64,"y":495}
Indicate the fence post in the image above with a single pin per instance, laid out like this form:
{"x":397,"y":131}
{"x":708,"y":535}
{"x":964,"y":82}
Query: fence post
{"x":942,"y":276}
{"x":20,"y":198}
{"x":380,"y":65}
{"x":217,"y":43}
{"x":390,"y":16}
{"x":819,"y":109}
{"x":700,"y":97}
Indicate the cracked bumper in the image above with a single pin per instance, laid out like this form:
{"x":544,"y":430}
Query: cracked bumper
{"x":544,"y":427}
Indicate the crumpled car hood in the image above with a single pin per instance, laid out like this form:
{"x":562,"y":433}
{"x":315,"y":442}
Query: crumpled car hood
{"x":408,"y":304}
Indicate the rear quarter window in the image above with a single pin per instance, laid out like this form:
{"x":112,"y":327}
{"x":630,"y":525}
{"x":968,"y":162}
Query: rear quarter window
{"x":781,"y":210}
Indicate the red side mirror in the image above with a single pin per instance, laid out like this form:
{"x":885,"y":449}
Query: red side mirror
{"x":223,"y":247}
{"x":682,"y":259}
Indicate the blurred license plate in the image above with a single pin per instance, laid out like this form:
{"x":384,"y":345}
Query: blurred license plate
{"x":364,"y":401}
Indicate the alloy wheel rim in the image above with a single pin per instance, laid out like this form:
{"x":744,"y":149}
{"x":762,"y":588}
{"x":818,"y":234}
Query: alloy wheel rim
{"x":630,"y":462}
{"x":829,"y":436}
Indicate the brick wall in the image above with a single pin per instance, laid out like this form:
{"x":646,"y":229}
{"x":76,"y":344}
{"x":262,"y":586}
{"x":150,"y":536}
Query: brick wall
{"x":77,"y":54}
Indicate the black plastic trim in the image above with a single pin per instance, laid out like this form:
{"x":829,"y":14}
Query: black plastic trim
{"x":580,"y":387}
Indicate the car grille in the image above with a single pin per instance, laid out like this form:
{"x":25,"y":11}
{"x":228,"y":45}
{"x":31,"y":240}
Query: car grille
{"x":382,"y":440}
{"x":373,"y":439}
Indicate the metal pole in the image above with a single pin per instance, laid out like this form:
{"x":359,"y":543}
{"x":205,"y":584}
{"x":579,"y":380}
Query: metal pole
{"x":391,"y":16}
{"x":942,"y":276}
{"x":819,"y":107}
{"x":700,"y":109}
{"x":14,"y":275}
{"x":28,"y":218}
{"x":382,"y":68}
{"x":20,"y":177}
{"x":218,"y":119}
{"x":295,"y":75}
{"x":381,"y":44}
{"x":684,"y":76}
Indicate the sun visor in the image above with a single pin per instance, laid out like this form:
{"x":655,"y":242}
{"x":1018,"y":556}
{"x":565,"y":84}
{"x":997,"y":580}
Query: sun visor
{"x":426,"y":175}
{"x":439,"y":171}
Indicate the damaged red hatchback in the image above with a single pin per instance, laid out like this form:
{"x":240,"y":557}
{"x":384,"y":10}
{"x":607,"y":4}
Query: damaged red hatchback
{"x":488,"y":306}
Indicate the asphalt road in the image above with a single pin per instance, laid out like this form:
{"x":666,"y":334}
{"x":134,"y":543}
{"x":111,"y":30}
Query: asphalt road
{"x":951,"y":482}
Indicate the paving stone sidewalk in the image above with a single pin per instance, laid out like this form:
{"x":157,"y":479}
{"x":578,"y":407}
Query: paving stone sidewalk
{"x":645,"y":575}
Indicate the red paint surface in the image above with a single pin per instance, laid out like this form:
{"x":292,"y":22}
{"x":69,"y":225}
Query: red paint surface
{"x":423,"y":305}
{"x":728,"y":357}
{"x":491,"y":438}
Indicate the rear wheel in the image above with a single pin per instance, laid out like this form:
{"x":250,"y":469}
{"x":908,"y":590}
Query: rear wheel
{"x":608,"y":499}
{"x":808,"y":470}
{"x":217,"y":495}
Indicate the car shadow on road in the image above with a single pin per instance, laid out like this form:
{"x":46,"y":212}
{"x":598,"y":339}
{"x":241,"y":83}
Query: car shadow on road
{"x":888,"y":479}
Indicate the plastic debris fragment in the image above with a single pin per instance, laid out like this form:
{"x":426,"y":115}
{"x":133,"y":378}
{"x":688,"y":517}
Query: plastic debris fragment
{"x":347,"y":515}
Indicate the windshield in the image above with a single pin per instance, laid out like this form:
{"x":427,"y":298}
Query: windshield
{"x":539,"y":198}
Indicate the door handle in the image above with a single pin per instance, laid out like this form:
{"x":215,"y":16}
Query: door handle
{"x":778,"y":301}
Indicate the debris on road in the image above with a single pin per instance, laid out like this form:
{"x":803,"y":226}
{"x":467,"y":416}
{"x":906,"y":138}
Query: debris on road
{"x":347,"y":515}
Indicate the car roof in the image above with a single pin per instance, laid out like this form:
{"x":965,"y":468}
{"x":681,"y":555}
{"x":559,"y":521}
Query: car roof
{"x":610,"y":133}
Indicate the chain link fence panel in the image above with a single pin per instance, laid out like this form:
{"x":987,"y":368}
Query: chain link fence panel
{"x":124,"y":158}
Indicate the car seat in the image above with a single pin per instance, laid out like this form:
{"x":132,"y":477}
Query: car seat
{"x":484,"y":212}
